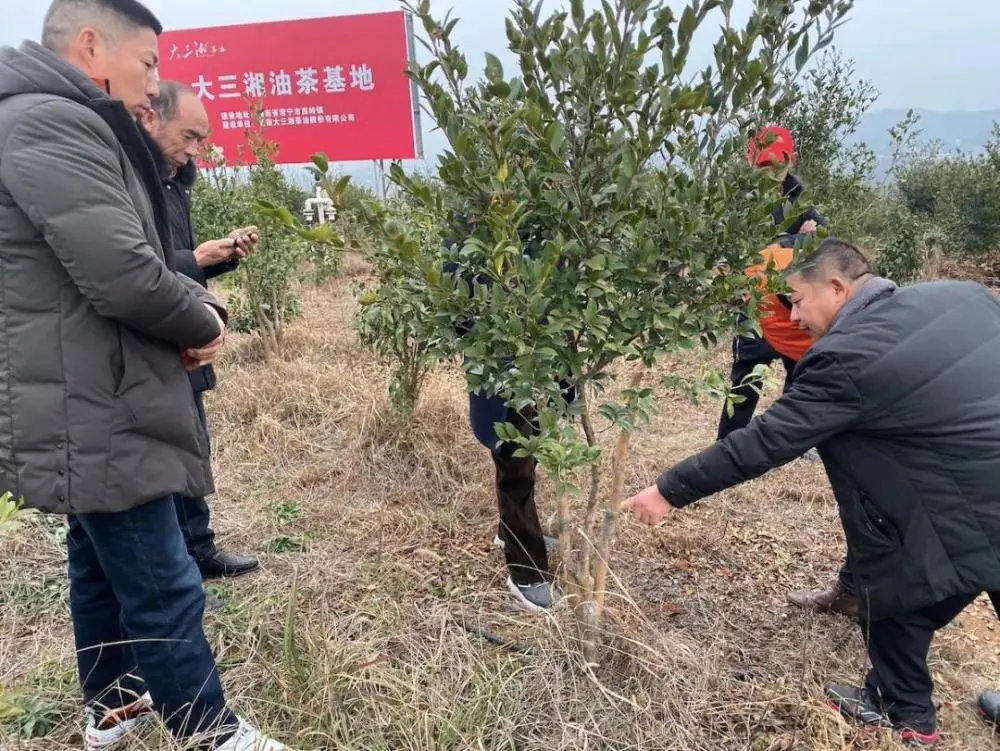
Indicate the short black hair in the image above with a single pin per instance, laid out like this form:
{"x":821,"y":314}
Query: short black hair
{"x":165,"y":103}
{"x":65,"y":18}
{"x":832,"y":257}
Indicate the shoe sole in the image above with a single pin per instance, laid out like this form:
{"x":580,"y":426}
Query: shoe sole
{"x":523,"y":603}
{"x":139,"y":725}
{"x":912,"y":739}
{"x":911,"y":742}
{"x":237,"y":575}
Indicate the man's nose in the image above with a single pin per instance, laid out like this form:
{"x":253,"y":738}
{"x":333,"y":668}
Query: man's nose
{"x":153,"y":88}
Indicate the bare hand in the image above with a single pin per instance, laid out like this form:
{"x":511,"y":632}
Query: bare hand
{"x":214,"y":252}
{"x":197,"y":357}
{"x":246,"y":239}
{"x":721,"y":268}
{"x":648,"y":506}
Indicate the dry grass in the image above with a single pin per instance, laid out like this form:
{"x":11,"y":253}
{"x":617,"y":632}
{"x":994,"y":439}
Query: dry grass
{"x":375,"y":540}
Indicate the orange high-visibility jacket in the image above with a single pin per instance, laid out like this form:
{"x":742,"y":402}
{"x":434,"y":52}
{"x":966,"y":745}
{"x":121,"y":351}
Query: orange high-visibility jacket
{"x":776,"y":324}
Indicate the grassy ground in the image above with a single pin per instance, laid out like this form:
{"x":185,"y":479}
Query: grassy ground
{"x":360,"y":632}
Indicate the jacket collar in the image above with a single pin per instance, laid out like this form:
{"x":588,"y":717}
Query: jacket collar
{"x":871,"y":291}
{"x":186,"y":175}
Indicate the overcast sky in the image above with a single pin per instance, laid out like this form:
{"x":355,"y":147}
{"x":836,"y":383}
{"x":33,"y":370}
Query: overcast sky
{"x":935,"y":54}
{"x":931,"y":54}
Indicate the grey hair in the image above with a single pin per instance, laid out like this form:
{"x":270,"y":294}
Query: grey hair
{"x":165,"y":103}
{"x":114,"y":18}
{"x":832,"y":257}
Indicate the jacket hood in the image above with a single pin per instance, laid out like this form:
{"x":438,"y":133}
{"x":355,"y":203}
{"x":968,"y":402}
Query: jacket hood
{"x":33,"y":69}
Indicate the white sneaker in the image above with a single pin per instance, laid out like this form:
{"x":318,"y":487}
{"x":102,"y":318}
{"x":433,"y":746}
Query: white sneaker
{"x":534,"y":598}
{"x":248,"y":738}
{"x":115,"y":725}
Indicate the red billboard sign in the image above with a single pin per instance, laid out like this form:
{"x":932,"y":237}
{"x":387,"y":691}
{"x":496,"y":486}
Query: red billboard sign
{"x":336,"y":85}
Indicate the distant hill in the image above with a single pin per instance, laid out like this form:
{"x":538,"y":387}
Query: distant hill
{"x":956,"y":130}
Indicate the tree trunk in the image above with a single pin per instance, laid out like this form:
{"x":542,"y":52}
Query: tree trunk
{"x":267,"y":334}
{"x":584,"y":607}
{"x":609,"y":523}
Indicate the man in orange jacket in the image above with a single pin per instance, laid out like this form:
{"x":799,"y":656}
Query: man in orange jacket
{"x":772,"y":149}
{"x":783,"y":335}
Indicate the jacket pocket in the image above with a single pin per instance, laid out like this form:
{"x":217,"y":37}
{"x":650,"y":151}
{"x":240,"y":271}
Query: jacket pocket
{"x":873,"y":539}
{"x":877,"y":524}
{"x":118,"y":363}
{"x":123,"y":376}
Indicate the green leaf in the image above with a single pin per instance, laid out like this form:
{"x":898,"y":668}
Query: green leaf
{"x":322,"y":163}
{"x":494,"y":69}
{"x":598,"y":262}
{"x":340,"y":187}
{"x":688,"y":24}
{"x":503,"y":173}
{"x":555,"y":135}
{"x":628,"y":161}
{"x":802,"y":56}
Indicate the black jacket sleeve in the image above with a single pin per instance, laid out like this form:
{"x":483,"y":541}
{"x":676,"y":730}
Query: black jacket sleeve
{"x":811,"y":213}
{"x":821,"y":402}
{"x":221,"y":268}
{"x":187,"y":265}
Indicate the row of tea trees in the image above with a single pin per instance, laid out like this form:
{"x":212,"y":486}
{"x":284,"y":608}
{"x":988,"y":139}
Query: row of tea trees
{"x":589,"y":203}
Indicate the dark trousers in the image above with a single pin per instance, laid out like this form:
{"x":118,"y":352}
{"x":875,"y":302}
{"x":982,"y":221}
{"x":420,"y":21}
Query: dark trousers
{"x":897,"y":648}
{"x":137,"y":605}
{"x":520,"y":531}
{"x":748,"y":353}
{"x":192,"y":513}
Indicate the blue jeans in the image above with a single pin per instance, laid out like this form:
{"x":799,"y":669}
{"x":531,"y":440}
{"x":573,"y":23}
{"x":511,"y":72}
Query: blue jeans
{"x":137,"y":604}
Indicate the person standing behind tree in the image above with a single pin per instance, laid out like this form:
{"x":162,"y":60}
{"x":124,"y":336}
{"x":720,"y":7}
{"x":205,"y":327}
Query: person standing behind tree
{"x":771,"y":149}
{"x":519,"y":532}
{"x":98,"y":419}
{"x":178,"y":123}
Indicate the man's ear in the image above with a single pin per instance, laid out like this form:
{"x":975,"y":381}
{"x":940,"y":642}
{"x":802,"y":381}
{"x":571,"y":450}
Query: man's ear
{"x":840,"y":286}
{"x":88,"y":41}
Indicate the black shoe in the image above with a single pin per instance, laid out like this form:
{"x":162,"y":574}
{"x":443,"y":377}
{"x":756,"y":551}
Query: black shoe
{"x":226,"y":565}
{"x":989,"y":708}
{"x":856,"y":704}
{"x":860,"y":705}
